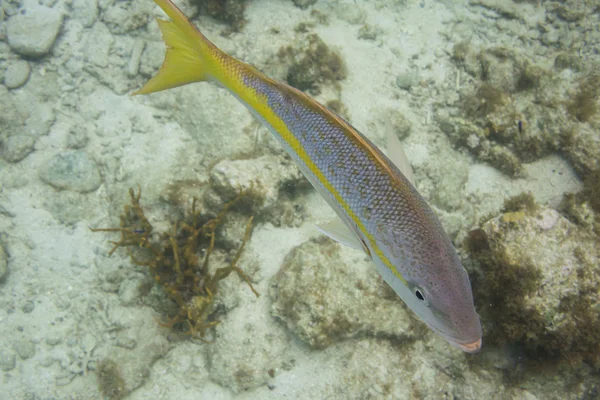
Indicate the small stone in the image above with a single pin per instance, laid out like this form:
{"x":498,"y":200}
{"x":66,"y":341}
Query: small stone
{"x":407,"y":80}
{"x":303,"y":4}
{"x":85,"y":11}
{"x":41,"y":119}
{"x":8,"y":360}
{"x":88,"y":343}
{"x":368,"y":32}
{"x":77,"y":137}
{"x":473,"y":141}
{"x":133,"y":65}
{"x":17,"y":147}
{"x":25,"y":349}
{"x":98,"y":42}
{"x":62,"y":303}
{"x":351,"y":13}
{"x":71,"y":170}
{"x":16,"y":74}
{"x":129,"y":291}
{"x":3,"y":263}
{"x":397,"y":123}
{"x":53,"y":339}
{"x":126,"y":342}
{"x":33,"y":33}
{"x":28,"y":307}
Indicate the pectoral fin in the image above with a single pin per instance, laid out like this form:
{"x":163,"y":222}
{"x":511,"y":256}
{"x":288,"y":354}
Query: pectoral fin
{"x":338,"y":231}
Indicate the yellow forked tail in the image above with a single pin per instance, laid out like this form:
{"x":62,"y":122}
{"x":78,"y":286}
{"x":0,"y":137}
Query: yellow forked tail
{"x":187,"y":58}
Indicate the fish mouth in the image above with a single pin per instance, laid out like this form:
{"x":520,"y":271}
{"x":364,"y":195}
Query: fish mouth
{"x":472,"y":347}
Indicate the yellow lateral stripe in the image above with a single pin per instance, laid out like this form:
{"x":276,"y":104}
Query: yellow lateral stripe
{"x":259,"y":103}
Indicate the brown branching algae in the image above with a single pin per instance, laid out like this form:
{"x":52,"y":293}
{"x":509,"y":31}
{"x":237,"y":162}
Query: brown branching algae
{"x":178,"y":260}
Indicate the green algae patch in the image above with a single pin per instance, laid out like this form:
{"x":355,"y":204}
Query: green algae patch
{"x":111,"y":382}
{"x":178,"y":260}
{"x":230,"y":12}
{"x":524,"y":202}
{"x":583,"y":208}
{"x":583,"y":105}
{"x":312,"y":65}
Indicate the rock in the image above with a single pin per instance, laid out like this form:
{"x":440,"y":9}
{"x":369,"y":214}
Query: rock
{"x":351,"y":13}
{"x":25,"y":349}
{"x":122,"y":17}
{"x":28,"y":307}
{"x":503,"y":68}
{"x":539,"y":286}
{"x":133,"y":65}
{"x":17,"y":147}
{"x":407,"y":80}
{"x":78,"y":136}
{"x":266,"y":176}
{"x":71,"y":170}
{"x":40,"y":120}
{"x":85,"y":11}
{"x":369,"y":32}
{"x":396,"y":123}
{"x":378,"y":369}
{"x":129,"y":290}
{"x":325,"y":295}
{"x":16,"y":74}
{"x":125,"y":342}
{"x":506,"y":9}
{"x":8,"y":360}
{"x":11,"y":119}
{"x":3,"y":263}
{"x":98,"y":42}
{"x":54,"y":338}
{"x":130,"y":366}
{"x":247,"y":346}
{"x":303,"y":4}
{"x":583,"y":148}
{"x":33,"y":33}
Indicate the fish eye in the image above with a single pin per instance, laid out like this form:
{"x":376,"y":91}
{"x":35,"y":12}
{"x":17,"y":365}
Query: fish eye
{"x":420,"y":294}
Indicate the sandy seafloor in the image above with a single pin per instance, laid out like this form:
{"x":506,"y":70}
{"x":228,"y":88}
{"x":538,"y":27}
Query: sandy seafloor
{"x":73,"y":141}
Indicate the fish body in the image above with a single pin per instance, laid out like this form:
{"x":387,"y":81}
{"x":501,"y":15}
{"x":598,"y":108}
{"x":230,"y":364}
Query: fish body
{"x":374,"y":200}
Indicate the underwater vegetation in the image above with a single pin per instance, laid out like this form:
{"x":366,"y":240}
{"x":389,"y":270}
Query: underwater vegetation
{"x":583,"y":104}
{"x":539,"y":285}
{"x":229,"y":11}
{"x":517,"y":112}
{"x":178,"y":260}
{"x":583,"y":208}
{"x":312,"y":64}
{"x":111,"y":383}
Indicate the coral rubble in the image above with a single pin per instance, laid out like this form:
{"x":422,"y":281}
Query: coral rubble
{"x":322,"y":302}
{"x":540,"y":282}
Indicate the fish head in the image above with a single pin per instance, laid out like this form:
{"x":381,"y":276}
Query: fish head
{"x":446,"y":306}
{"x":436,"y":287}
